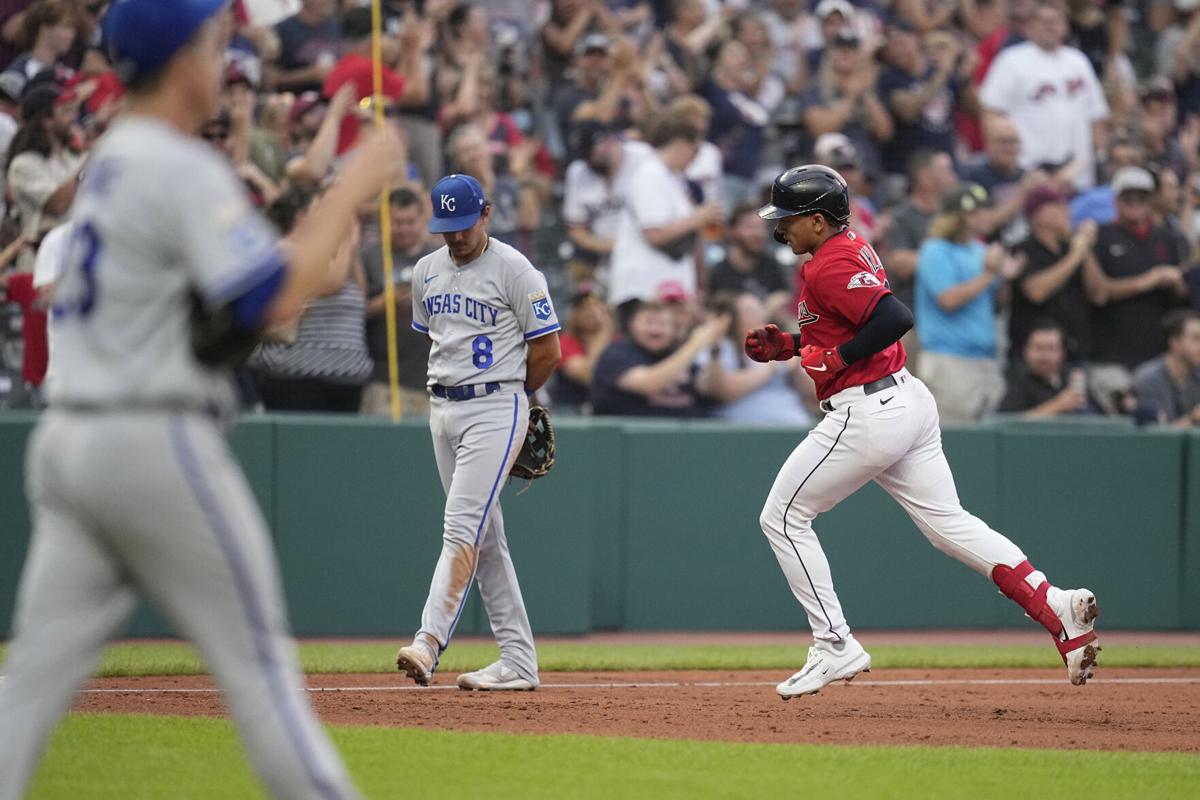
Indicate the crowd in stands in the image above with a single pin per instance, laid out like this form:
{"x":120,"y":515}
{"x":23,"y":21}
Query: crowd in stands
{"x":1028,"y":171}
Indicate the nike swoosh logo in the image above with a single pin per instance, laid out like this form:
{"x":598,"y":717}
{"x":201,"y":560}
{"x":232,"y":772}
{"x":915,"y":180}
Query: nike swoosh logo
{"x":885,"y":402}
{"x":431,"y":277}
{"x":821,"y":368}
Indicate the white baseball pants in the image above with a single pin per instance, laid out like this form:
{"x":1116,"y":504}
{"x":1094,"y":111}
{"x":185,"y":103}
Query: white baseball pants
{"x":475,"y":443}
{"x":893,"y":438}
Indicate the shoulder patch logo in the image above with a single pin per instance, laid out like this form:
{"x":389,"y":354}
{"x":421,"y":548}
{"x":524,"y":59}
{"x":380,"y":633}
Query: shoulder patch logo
{"x":863,"y":279}
{"x":541,"y":305}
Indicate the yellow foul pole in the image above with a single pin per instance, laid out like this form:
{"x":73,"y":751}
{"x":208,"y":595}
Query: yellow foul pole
{"x":385,"y":216}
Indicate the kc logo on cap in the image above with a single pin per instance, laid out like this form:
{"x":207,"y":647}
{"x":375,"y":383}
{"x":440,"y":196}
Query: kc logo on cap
{"x":458,"y":202}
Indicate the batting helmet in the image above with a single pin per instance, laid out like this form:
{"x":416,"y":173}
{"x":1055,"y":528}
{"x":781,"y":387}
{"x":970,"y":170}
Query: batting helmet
{"x":808,"y":190}
{"x":143,"y":35}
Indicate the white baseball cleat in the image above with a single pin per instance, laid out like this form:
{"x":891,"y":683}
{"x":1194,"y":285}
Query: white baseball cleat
{"x":827,"y":662}
{"x":1078,"y":646}
{"x":416,"y":662}
{"x":495,"y":677}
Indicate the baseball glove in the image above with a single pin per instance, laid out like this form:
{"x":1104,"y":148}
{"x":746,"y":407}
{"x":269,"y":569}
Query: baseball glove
{"x":537,"y":453}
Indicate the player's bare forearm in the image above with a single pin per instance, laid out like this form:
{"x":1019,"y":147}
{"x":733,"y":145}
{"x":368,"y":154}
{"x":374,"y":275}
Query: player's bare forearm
{"x":543,"y":356}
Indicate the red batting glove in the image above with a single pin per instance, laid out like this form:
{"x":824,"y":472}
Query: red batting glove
{"x":769,"y":344}
{"x":820,"y":360}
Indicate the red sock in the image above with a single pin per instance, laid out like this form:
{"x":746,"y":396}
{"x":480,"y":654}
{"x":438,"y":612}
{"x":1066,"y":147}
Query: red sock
{"x":1013,"y":585}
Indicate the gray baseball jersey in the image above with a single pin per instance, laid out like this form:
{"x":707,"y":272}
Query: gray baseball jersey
{"x":480,"y":316}
{"x":159,"y":215}
{"x":132,"y":487}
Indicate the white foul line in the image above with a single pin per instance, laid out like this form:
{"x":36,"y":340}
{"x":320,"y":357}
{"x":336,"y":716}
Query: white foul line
{"x":680,"y":684}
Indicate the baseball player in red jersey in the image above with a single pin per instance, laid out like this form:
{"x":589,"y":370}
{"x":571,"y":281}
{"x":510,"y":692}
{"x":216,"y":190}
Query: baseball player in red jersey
{"x":880,"y":424}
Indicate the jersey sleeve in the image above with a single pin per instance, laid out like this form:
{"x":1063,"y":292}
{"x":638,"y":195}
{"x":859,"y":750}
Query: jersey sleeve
{"x":531,"y":304}
{"x":850,"y":288}
{"x":420,"y":314}
{"x":227,"y":248}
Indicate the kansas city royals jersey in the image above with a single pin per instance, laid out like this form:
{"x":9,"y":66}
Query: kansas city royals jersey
{"x":159,"y":217}
{"x":481,"y":315}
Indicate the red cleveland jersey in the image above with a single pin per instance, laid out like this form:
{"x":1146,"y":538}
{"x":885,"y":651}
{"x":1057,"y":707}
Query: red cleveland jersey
{"x":842,"y":285}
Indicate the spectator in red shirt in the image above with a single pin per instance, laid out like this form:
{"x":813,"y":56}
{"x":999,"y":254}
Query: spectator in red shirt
{"x":409,"y":86}
{"x":589,"y":331}
{"x":17,"y":287}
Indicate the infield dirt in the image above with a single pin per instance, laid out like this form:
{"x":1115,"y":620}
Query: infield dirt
{"x":1131,"y":709}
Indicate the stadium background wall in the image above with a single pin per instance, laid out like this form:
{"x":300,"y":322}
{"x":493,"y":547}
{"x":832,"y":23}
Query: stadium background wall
{"x":645,"y":526}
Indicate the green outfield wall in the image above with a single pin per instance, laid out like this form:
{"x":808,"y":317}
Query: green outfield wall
{"x":654,"y":525}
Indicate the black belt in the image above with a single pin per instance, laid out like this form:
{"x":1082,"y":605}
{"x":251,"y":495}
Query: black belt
{"x":464,"y":392}
{"x":886,"y":382}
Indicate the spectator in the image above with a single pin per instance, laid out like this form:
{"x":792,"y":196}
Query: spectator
{"x":570,"y":21}
{"x":647,"y":374}
{"x":836,"y":151}
{"x":309,"y":45}
{"x":49,"y":34}
{"x":738,"y":121}
{"x":12,"y":28}
{"x":930,"y":177}
{"x":690,"y":33}
{"x":958,"y":279}
{"x":1169,"y":386}
{"x":749,"y":265}
{"x":591,"y":74}
{"x":922,"y":87}
{"x":407,"y":86}
{"x":1006,"y":182}
{"x":589,"y":333}
{"x":594,"y":196}
{"x":842,"y":98}
{"x":1165,"y":145}
{"x":1040,"y":384}
{"x":656,"y":235}
{"x":1098,"y":203}
{"x":1140,"y":262}
{"x":21,"y":289}
{"x":515,"y":194}
{"x":409,"y":245}
{"x":746,"y":391}
{"x":322,"y":363}
{"x":1051,"y":93}
{"x":44,"y":162}
{"x":1061,"y":279}
{"x":706,"y":173}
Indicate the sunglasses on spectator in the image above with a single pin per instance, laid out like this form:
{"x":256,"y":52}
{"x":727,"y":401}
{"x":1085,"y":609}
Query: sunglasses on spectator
{"x":215,"y":134}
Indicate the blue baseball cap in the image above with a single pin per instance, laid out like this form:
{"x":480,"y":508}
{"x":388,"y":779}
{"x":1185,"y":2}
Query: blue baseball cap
{"x":457,"y":203}
{"x":143,"y":35}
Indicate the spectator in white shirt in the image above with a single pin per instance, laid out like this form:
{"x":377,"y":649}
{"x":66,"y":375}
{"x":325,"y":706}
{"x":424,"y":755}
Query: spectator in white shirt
{"x":654,"y":248}
{"x":1052,"y":94}
{"x":593,"y":195}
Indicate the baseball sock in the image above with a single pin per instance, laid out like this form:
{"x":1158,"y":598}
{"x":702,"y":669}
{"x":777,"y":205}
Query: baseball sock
{"x":1027,"y":587}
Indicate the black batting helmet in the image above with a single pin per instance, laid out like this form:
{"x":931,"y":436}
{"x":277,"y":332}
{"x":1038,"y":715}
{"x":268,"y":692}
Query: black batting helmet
{"x":809,"y":189}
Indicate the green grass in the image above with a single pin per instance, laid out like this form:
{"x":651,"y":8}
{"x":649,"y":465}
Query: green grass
{"x":135,"y":757}
{"x":181,"y":659}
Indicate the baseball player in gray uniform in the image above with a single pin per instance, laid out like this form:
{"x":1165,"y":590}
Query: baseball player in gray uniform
{"x":168,"y":277}
{"x":495,"y":339}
